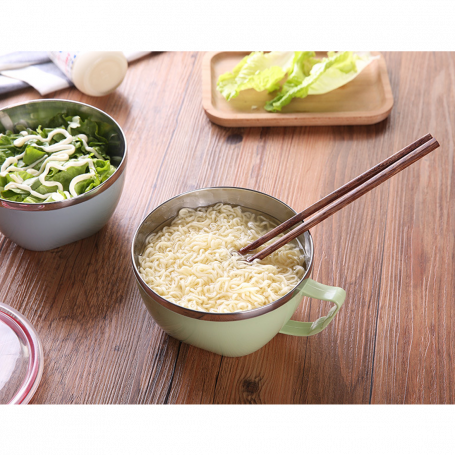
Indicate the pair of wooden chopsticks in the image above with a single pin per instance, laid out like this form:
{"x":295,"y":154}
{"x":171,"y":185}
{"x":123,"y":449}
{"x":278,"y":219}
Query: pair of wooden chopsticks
{"x":343,"y":196}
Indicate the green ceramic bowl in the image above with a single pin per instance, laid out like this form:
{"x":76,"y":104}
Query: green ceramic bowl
{"x":243,"y":332}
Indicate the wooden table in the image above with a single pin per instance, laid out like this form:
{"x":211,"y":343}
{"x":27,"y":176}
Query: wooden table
{"x":392,"y":250}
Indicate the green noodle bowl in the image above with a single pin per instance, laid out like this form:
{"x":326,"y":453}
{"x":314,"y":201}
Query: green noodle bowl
{"x":220,"y":310}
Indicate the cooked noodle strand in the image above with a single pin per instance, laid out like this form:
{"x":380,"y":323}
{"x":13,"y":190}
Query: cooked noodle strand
{"x":193,"y":261}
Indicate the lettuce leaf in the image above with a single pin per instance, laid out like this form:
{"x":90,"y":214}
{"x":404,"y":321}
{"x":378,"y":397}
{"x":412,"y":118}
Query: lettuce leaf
{"x":103,"y":169}
{"x":258,"y":70}
{"x":15,"y":196}
{"x":32,"y":154}
{"x":63,"y":177}
{"x":332,"y":72}
{"x":4,"y":180}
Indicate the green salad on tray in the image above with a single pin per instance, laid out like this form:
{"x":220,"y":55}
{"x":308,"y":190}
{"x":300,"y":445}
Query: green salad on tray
{"x":292,"y":74}
{"x":54,"y":163}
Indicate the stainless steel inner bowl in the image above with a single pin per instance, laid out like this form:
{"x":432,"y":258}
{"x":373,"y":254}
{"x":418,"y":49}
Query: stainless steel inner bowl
{"x":250,"y":200}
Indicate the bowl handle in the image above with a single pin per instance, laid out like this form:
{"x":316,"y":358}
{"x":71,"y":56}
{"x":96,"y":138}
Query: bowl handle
{"x":322,"y":292}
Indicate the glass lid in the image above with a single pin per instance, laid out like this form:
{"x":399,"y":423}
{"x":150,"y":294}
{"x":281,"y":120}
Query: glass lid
{"x":21,"y":357}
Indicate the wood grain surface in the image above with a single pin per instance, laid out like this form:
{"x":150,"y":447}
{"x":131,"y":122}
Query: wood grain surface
{"x":393,"y":250}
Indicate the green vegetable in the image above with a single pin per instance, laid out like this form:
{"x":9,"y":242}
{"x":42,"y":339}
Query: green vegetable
{"x":32,"y":154}
{"x":36,"y":161}
{"x":331,"y":73}
{"x":258,"y":71}
{"x":294,"y":74}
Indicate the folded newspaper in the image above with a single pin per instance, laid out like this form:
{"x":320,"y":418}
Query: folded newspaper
{"x":23,"y":69}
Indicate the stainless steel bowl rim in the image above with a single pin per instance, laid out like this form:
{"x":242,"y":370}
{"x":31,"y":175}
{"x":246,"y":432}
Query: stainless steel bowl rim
{"x":78,"y":199}
{"x":219,"y":317}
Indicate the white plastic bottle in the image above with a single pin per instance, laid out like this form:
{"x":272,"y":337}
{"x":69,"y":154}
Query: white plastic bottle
{"x":95,"y":73}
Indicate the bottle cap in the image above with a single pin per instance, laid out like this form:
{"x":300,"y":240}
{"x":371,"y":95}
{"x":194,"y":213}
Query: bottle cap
{"x":99,"y":73}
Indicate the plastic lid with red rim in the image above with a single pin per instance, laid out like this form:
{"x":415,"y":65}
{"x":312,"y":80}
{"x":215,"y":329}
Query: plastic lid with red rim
{"x":21,"y":357}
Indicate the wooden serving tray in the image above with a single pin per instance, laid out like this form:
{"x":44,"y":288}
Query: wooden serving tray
{"x":366,"y":100}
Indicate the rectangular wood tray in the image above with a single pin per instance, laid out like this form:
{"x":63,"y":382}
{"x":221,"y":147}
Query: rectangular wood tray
{"x":366,"y":100}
